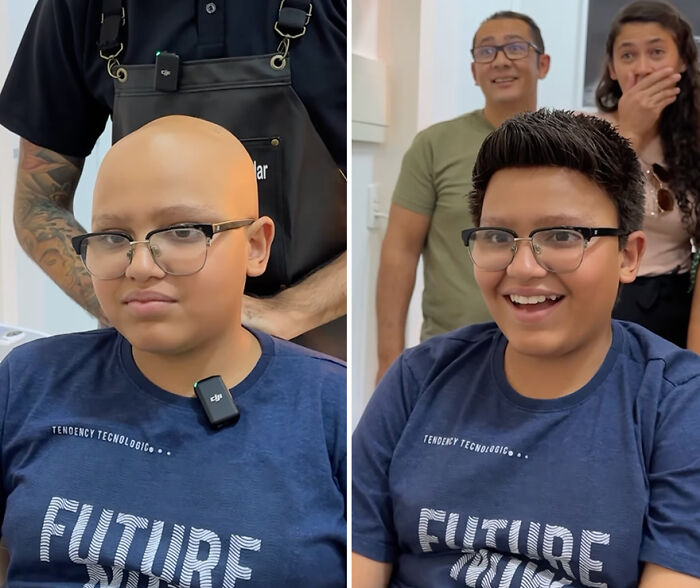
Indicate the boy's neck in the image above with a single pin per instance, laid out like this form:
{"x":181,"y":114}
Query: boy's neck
{"x":498,"y":112}
{"x":232,"y":358}
{"x":547,"y":377}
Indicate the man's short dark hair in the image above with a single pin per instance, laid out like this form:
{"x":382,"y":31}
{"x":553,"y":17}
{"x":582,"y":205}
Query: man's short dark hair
{"x":534,"y":29}
{"x":562,"y":138}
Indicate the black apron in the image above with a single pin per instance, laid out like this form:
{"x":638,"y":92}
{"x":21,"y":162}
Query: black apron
{"x":299,"y":185}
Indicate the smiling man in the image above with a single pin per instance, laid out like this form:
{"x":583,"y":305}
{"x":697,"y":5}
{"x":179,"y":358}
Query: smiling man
{"x":113,"y":470}
{"x":552,"y":447}
{"x":428,"y":203}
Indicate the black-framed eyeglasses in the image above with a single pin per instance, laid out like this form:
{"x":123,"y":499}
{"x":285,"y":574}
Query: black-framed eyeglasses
{"x":556,"y":249}
{"x":513,"y":51}
{"x":179,"y":250}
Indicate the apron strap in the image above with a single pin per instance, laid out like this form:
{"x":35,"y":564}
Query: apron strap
{"x":293,"y":17}
{"x":113,"y":18}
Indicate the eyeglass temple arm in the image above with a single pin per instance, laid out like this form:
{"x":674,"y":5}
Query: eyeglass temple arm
{"x":225,"y":226}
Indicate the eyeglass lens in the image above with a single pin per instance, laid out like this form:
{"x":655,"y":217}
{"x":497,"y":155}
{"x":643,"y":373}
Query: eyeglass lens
{"x":487,"y":53}
{"x":556,"y":250}
{"x":177,"y":251}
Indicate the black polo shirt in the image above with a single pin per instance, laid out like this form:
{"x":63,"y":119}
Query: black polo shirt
{"x":58,"y":93}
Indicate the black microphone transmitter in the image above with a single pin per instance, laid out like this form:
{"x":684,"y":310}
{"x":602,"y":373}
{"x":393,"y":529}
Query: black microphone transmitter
{"x":167,"y":71}
{"x":217,"y":402}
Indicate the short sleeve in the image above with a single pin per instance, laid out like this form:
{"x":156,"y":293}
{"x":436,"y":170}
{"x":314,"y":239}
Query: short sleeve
{"x":672,"y":527}
{"x":46,"y":98}
{"x":374,"y":441}
{"x":335,"y":423}
{"x":415,"y":188}
{"x":4,"y":398}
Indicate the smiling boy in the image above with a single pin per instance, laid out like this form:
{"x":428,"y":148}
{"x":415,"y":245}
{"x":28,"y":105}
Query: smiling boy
{"x":112,"y":474}
{"x":552,"y":447}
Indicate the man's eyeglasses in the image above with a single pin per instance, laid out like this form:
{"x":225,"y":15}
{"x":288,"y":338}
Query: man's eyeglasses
{"x":556,"y":249}
{"x":658,"y":177}
{"x":513,"y":51}
{"x":178,"y":250}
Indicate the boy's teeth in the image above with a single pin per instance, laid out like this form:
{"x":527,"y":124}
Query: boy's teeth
{"x":531,"y":299}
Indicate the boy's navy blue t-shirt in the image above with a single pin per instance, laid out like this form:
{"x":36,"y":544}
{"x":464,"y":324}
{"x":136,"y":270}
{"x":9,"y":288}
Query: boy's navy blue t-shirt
{"x":459,"y":480}
{"x":109,"y":480}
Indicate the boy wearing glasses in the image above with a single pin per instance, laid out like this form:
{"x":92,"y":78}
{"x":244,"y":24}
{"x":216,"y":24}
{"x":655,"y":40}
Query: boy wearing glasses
{"x":555,"y":447}
{"x":113,"y":474}
{"x":428,"y":204}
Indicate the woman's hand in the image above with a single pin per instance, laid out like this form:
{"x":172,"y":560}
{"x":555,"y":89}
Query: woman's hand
{"x":641,"y":104}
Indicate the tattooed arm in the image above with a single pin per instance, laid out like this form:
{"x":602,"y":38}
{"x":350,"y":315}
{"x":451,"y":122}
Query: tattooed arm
{"x":318,"y":299}
{"x":44,"y":220}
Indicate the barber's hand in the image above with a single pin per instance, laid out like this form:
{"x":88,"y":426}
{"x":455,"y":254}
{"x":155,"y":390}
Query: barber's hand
{"x":640,"y":106}
{"x":268,"y":316}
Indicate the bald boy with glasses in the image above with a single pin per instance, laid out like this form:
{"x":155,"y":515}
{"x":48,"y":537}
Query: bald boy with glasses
{"x":114,"y":471}
{"x":555,"y":446}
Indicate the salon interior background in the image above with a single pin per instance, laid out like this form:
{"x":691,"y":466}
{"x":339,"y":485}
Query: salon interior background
{"x":411,"y":68}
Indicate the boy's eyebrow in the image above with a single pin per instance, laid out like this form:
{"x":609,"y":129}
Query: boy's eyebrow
{"x":545,"y":221}
{"x":177,"y":210}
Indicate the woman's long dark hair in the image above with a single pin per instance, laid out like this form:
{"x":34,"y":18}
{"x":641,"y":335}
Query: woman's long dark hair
{"x":679,"y":126}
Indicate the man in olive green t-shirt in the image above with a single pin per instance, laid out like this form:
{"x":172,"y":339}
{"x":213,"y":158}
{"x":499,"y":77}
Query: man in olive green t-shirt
{"x":429,"y":208}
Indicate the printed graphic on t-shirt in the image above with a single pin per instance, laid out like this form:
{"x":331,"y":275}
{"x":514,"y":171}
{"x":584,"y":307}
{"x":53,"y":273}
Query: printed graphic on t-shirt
{"x":124,"y":550}
{"x":502,"y":552}
{"x":112,"y":437}
{"x":473,"y":445}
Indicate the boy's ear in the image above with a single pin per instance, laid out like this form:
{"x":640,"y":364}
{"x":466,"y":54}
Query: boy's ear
{"x":259,"y":235}
{"x":631,"y":256}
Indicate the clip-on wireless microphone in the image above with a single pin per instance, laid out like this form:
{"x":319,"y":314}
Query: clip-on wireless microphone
{"x":217,"y":402}
{"x":167,"y":72}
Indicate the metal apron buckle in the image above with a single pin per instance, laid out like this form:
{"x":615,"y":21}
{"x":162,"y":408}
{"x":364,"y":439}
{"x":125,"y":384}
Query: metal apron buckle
{"x":114,"y":68}
{"x":279,"y":60}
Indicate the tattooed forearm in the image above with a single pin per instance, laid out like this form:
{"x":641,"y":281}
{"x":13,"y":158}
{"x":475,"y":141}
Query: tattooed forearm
{"x":44,"y":220}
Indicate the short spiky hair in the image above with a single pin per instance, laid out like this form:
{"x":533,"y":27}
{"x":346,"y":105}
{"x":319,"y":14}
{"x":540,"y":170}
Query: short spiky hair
{"x":562,"y":138}
{"x":509,"y":14}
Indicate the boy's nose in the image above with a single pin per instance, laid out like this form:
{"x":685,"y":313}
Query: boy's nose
{"x":524,"y":265}
{"x":142,"y":265}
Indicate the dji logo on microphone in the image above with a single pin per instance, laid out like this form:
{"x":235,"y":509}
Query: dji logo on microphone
{"x":216,"y":397}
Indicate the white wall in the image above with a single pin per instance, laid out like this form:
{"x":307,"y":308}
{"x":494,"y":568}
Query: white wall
{"x":397,"y":25}
{"x":425,"y":44}
{"x":8,"y":302}
{"x":27,"y":297}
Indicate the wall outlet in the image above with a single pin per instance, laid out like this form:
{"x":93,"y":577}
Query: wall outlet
{"x":375,"y":211}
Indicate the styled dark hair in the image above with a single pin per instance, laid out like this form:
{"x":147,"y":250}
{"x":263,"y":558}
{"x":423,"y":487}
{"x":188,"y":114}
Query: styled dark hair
{"x":534,"y":29}
{"x":679,"y":124}
{"x":562,"y":138}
